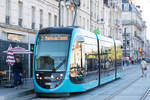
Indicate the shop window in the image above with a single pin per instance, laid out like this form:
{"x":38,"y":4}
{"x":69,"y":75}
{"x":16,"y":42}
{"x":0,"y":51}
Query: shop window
{"x":15,"y":37}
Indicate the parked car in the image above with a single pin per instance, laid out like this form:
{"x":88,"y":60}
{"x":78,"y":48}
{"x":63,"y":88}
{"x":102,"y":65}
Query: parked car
{"x":147,"y":60}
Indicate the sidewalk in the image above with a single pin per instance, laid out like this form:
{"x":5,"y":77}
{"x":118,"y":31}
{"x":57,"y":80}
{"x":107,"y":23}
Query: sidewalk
{"x":12,"y":93}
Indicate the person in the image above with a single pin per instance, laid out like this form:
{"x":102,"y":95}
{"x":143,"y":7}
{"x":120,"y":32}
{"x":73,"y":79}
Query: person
{"x":17,"y":72}
{"x":130,"y":59}
{"x":143,"y":67}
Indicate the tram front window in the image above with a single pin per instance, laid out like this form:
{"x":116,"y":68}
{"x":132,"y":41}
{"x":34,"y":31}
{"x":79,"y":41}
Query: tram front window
{"x":52,"y":52}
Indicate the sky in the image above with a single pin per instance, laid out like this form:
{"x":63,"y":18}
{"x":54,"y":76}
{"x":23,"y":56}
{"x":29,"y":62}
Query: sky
{"x":145,"y":7}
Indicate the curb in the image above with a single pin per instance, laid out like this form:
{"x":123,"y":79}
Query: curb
{"x":14,"y":95}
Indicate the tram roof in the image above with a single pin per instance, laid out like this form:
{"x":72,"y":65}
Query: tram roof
{"x":56,"y":30}
{"x":108,"y":39}
{"x":69,"y":30}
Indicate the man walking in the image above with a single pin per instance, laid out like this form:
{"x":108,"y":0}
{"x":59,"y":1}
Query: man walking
{"x":143,"y":67}
{"x":17,"y":71}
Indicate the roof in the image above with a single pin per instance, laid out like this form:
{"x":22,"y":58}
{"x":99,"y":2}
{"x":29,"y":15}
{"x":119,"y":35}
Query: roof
{"x":56,"y":30}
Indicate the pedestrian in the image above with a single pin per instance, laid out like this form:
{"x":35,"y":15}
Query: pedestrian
{"x":143,"y":67}
{"x":17,"y":72}
{"x":127,"y":61}
{"x":130,"y":59}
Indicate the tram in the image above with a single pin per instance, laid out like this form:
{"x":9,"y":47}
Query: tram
{"x":71,"y":59}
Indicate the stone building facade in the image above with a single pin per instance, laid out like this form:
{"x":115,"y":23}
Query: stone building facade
{"x":20,"y":20}
{"x":134,"y":30}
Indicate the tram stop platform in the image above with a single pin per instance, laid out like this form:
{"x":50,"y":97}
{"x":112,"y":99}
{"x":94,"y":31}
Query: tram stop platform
{"x":12,"y":93}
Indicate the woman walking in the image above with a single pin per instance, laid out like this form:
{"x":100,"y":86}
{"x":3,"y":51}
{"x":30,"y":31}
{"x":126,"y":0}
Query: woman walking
{"x":143,"y":67}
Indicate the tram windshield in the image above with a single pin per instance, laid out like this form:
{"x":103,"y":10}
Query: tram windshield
{"x":52,"y":52}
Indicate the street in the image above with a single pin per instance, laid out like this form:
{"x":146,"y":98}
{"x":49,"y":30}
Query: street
{"x":129,"y":87}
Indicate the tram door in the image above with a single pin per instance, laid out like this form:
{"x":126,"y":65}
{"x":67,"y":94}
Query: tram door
{"x":107,"y":58}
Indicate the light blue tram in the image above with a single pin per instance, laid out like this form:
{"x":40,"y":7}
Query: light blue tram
{"x":70,"y":59}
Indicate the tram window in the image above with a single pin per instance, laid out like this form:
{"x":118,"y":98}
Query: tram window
{"x":52,"y":52}
{"x":46,"y":63}
{"x":107,"y":55}
{"x":119,"y":55}
{"x":76,"y":61}
{"x":90,"y":54}
{"x":84,"y":61}
{"x":92,"y":62}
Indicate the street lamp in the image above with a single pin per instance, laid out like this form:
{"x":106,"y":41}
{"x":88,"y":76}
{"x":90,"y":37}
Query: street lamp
{"x":125,"y":35}
{"x":77,"y":4}
{"x":59,"y":6}
{"x":68,"y":3}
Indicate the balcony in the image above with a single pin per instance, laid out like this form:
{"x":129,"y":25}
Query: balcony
{"x":138,"y":37}
{"x":133,"y":22}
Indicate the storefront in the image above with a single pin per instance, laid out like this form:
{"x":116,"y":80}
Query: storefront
{"x":24,"y":59}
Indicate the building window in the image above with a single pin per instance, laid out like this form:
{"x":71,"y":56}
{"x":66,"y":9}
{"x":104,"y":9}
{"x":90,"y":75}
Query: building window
{"x":15,"y":37}
{"x":62,"y":15}
{"x":67,"y":17}
{"x":84,"y":23}
{"x":126,"y":7}
{"x":20,"y":4}
{"x":41,"y":18}
{"x":55,"y":20}
{"x":33,"y":17}
{"x":49,"y":19}
{"x":80,"y":21}
{"x":72,"y":16}
{"x":88,"y":2}
{"x":106,"y":2}
{"x":87,"y":24}
{"x":8,"y":6}
{"x":84,"y":3}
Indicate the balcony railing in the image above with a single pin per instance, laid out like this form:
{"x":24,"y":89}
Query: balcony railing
{"x":133,"y":22}
{"x":139,"y":37}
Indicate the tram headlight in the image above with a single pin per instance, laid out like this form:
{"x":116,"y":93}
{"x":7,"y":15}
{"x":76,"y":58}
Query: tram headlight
{"x":61,"y":75}
{"x":52,"y":76}
{"x":37,"y":75}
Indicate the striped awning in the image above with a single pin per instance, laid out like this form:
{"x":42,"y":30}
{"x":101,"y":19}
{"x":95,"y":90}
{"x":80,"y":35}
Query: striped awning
{"x":10,"y":56}
{"x":20,"y":50}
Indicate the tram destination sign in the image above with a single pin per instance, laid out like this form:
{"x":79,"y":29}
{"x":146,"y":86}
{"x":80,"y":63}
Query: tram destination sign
{"x":56,"y":37}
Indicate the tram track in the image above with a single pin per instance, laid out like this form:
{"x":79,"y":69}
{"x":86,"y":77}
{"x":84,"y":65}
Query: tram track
{"x":116,"y":93}
{"x":144,"y":96}
{"x":112,"y":95}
